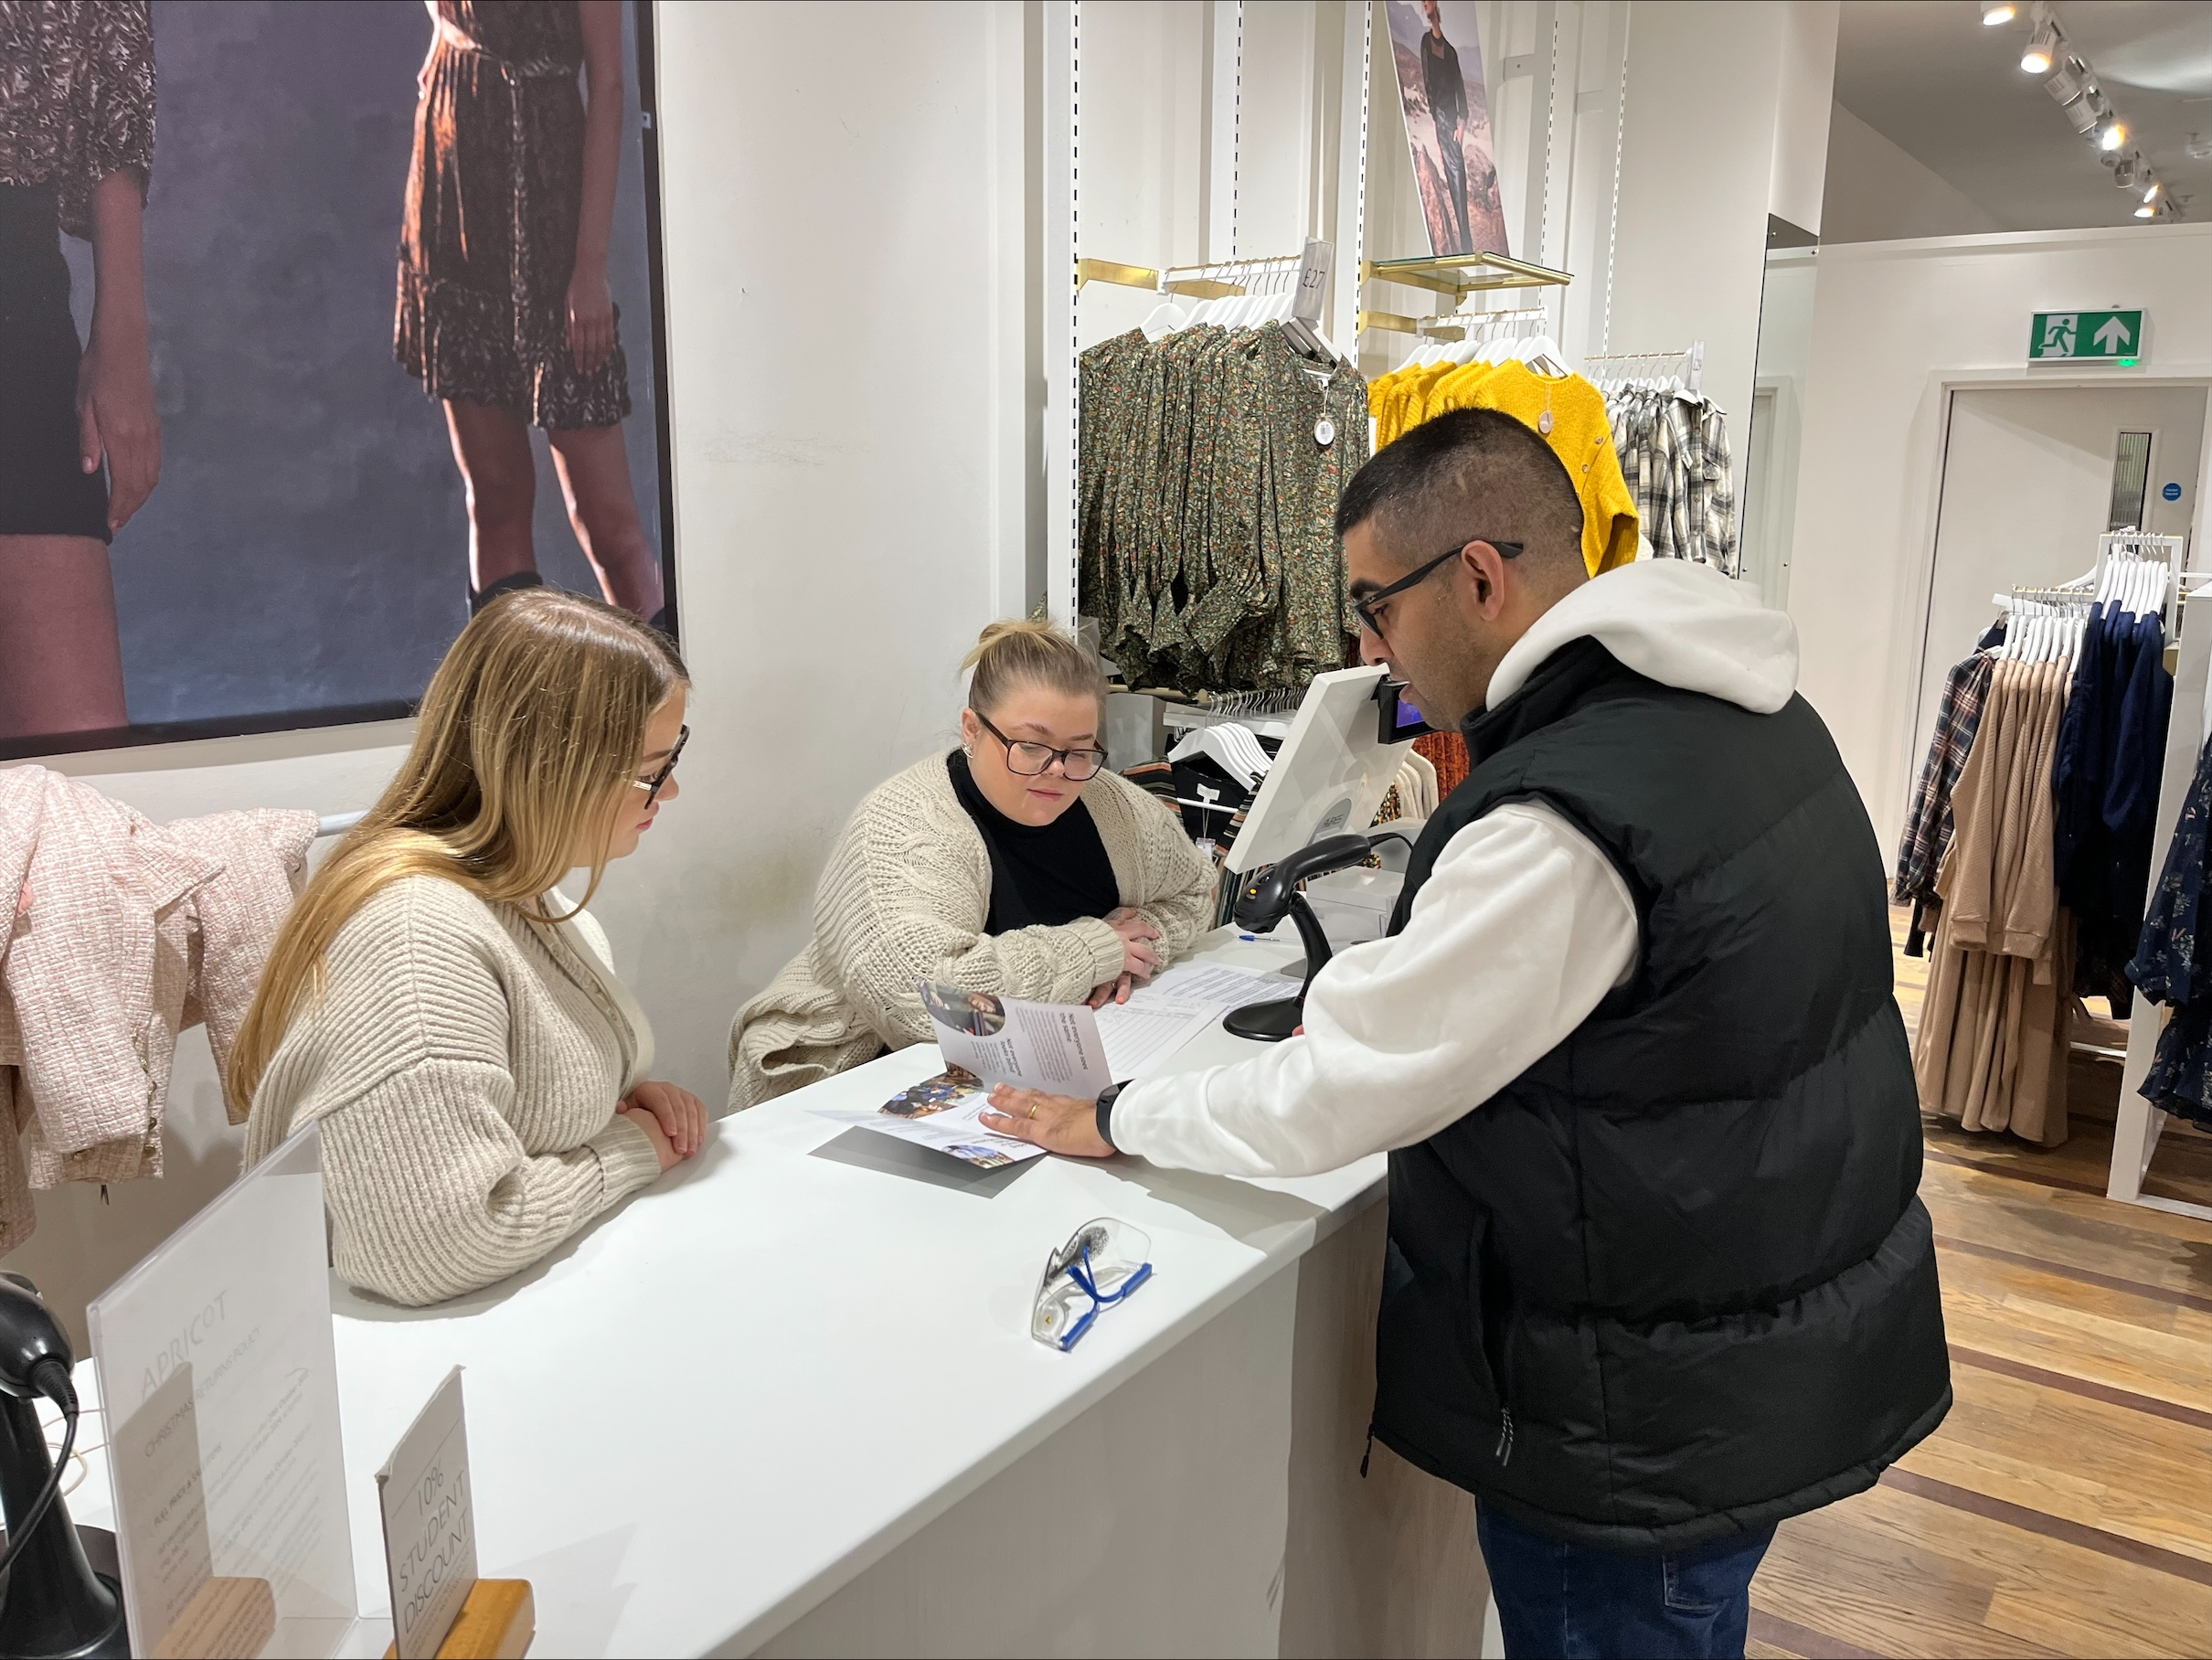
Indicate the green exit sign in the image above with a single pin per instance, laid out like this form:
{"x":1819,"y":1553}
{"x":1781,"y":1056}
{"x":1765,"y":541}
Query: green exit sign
{"x":2108,"y":337}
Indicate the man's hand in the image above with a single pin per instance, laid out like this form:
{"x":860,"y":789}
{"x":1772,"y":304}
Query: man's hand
{"x":1059,"y":1123}
{"x":681,"y":1115}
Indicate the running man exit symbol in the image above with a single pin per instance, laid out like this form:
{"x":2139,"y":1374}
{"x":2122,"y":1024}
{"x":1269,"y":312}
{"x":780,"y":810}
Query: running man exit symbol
{"x":2113,"y":337}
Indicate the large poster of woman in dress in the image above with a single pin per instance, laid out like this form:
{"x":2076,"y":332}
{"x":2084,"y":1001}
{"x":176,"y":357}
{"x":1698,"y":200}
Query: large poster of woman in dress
{"x":321,"y":324}
{"x":1439,"y":54}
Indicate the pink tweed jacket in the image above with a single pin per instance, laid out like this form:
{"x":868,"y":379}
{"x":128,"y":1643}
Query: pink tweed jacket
{"x":121,"y":934}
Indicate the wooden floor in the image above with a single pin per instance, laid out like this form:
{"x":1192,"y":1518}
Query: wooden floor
{"x":2065,"y":1507}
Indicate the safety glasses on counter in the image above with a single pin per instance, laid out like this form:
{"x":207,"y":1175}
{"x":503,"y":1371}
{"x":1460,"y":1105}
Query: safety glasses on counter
{"x":1101,"y":1263}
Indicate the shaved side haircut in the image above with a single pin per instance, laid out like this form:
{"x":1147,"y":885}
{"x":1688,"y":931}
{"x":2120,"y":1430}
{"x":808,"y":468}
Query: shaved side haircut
{"x":1468,"y":476}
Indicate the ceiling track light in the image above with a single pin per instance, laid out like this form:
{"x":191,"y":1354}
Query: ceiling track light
{"x":2112,"y":134}
{"x":2042,"y":48}
{"x":1995,"y":12}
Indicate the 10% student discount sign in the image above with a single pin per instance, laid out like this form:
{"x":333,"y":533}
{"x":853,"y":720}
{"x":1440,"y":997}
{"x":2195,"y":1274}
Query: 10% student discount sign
{"x":2073,"y":336}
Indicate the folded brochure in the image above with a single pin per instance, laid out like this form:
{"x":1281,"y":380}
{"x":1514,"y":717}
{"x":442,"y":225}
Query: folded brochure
{"x":1062,"y":1048}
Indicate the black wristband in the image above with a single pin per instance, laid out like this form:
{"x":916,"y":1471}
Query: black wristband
{"x":1107,"y":1097}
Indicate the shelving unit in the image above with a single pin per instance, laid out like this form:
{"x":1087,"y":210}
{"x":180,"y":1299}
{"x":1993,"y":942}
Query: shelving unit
{"x":1457,"y":275}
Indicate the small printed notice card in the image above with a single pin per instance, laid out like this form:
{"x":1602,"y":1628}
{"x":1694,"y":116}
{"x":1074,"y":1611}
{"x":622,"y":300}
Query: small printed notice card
{"x":430,"y":1524}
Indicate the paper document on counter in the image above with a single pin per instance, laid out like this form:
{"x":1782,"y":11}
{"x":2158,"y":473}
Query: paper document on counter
{"x":1160,"y":1018}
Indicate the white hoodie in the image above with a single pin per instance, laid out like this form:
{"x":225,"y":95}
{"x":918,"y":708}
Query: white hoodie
{"x":1522,"y":928}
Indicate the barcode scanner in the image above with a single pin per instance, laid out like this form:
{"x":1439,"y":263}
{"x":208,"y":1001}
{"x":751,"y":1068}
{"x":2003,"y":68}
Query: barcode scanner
{"x":52,"y":1603}
{"x":1269,"y":895}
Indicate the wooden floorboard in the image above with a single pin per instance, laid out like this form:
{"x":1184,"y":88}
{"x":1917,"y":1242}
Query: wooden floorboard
{"x":2065,"y":1507}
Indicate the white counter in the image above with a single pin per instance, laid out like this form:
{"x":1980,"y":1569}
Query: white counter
{"x":778,"y":1401}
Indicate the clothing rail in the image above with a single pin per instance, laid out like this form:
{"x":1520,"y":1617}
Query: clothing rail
{"x":1693,"y":356}
{"x":1447,"y":325}
{"x":1197,"y":282}
{"x":2167,"y":550}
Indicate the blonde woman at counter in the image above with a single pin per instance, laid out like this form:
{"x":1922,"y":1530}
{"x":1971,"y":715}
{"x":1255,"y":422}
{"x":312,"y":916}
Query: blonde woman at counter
{"x":451,"y":1021}
{"x":1016,"y":863}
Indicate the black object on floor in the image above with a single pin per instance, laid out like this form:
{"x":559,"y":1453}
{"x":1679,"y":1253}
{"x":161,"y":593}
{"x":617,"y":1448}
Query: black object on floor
{"x":873,"y":1149}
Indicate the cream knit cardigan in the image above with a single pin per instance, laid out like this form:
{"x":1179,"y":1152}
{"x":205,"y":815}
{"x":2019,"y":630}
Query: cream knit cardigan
{"x":904,"y":898}
{"x":465,"y":1064}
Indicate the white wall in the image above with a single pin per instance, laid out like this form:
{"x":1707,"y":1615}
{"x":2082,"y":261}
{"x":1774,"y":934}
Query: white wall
{"x":1878,"y":191}
{"x":1804,"y":103}
{"x":1766,"y":477}
{"x":1708,"y":139}
{"x":1894,"y":324}
{"x":2026,"y":490}
{"x":854,"y":398}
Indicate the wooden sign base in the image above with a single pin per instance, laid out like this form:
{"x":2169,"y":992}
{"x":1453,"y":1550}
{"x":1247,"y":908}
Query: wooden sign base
{"x":496,"y":1623}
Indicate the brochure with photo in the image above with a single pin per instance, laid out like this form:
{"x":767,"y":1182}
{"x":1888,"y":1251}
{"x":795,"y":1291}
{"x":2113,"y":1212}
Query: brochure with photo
{"x":944,"y":1113}
{"x":1053,"y":1047}
{"x":1063,"y":1048}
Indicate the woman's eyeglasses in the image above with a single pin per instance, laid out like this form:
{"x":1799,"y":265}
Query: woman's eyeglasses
{"x":1363,"y":607}
{"x":653,"y":786}
{"x":1032,"y":760}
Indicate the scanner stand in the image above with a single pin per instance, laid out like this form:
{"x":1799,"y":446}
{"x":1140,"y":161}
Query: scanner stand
{"x":1276,"y":1019}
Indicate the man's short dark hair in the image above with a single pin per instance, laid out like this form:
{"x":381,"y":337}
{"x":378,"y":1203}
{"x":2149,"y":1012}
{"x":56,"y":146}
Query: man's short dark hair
{"x":1469,"y":475}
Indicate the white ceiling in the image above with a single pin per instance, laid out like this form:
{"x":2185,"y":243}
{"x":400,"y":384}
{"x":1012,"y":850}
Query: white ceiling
{"x":1929,"y":77}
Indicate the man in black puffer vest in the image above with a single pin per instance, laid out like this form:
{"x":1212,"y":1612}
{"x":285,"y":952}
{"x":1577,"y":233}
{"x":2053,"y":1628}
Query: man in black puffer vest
{"x":1657,"y":1275}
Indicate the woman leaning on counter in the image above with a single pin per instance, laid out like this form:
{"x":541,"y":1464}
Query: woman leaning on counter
{"x":1015,"y":864}
{"x":453,"y":1023}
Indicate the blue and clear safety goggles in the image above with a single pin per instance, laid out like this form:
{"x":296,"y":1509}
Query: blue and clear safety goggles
{"x":1101,"y":1263}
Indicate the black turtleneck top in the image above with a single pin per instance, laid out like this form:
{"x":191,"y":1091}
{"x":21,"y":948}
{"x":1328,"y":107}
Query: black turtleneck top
{"x":1041,"y":875}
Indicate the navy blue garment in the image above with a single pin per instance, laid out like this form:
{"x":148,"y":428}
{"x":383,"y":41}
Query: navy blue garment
{"x":2111,"y":752}
{"x":1584,"y":1602}
{"x":2076,"y":772}
{"x":2130,"y":789}
{"x":2170,"y":963}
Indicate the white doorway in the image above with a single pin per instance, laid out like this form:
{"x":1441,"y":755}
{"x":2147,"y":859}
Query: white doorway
{"x":2028,"y":488}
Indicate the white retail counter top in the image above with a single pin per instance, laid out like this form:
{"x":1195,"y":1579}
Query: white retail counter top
{"x":731,"y":1398}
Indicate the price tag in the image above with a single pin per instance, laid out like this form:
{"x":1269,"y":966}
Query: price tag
{"x":1325,"y":432}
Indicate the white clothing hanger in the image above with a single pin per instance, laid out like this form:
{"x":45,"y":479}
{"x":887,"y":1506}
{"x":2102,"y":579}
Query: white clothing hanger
{"x":1165,"y":319}
{"x":1234,"y":747}
{"x":1541,"y":354}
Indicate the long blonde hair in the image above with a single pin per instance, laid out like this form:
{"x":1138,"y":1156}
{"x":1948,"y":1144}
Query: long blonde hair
{"x":530,"y":728}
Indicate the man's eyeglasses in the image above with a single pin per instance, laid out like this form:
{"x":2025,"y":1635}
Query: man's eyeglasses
{"x":653,"y":786}
{"x":1034,"y":759}
{"x":1363,"y":607}
{"x":1101,"y":1263}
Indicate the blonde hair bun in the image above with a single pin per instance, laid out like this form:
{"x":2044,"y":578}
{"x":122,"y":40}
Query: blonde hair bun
{"x":1030,"y":650}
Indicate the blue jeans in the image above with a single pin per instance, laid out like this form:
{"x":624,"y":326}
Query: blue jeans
{"x":1579,"y":1602}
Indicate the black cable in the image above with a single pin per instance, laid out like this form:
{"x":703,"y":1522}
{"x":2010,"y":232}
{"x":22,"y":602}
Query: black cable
{"x":52,"y":1379}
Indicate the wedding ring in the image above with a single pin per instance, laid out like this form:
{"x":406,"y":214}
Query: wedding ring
{"x":1032,"y":1112}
